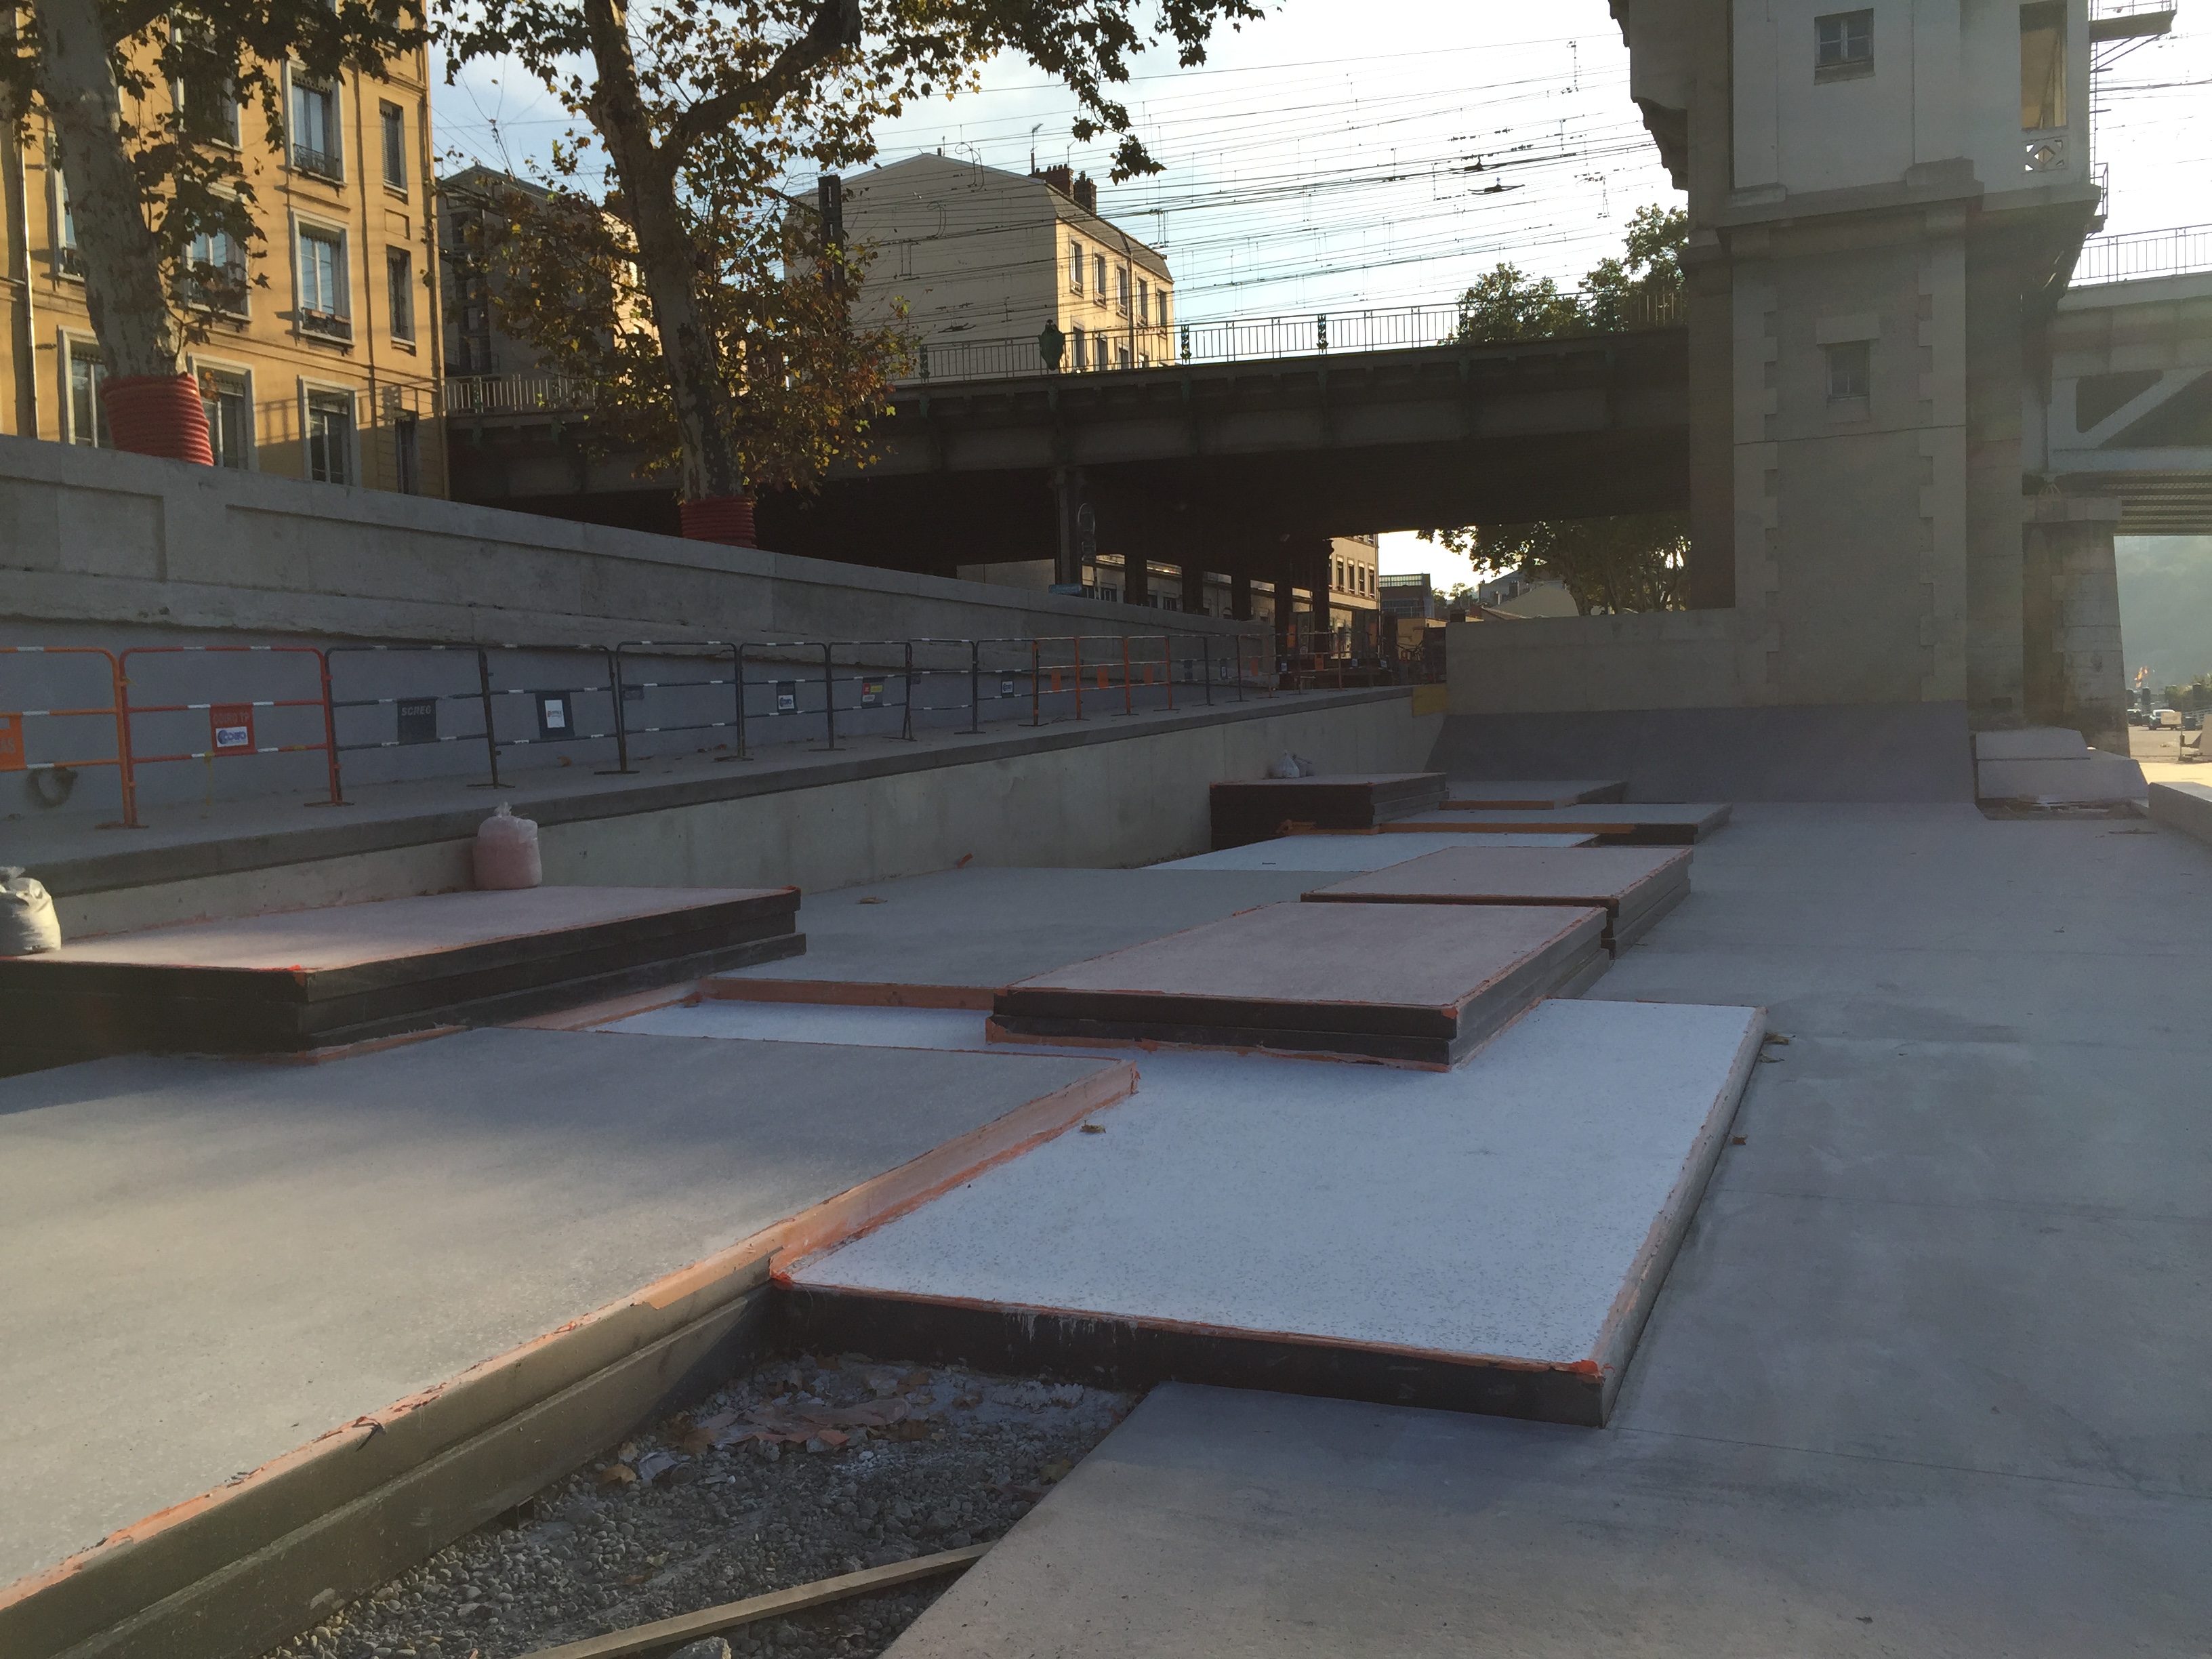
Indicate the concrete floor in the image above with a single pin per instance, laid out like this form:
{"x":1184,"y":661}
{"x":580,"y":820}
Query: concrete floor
{"x":990,"y":926}
{"x":1928,"y":1376}
{"x":209,"y":1263}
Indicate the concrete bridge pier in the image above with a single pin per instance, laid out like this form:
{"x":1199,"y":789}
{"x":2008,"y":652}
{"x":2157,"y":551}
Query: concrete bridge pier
{"x":2075,"y":674}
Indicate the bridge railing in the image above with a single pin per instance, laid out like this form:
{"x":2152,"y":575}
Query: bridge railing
{"x":1236,"y":339}
{"x":2141,"y":254}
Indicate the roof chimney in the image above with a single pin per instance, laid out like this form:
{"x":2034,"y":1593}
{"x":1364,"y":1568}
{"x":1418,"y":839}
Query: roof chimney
{"x":1061,"y":179}
{"x":1085,"y":192}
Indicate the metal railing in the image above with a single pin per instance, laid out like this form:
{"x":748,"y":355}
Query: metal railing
{"x":514,"y":394}
{"x":1241,"y":339}
{"x":17,"y":739}
{"x":231,"y":723}
{"x":321,"y":163}
{"x":2138,"y":254}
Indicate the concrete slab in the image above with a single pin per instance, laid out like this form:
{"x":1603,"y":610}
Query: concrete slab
{"x":1633,"y":885}
{"x":310,"y":978}
{"x":1347,"y":852}
{"x":2030,"y":743}
{"x":2187,"y":807}
{"x":980,"y":929}
{"x":1645,"y":824}
{"x":860,"y":1026}
{"x":1415,"y":984}
{"x":1487,"y":1237}
{"x":1257,"y":809}
{"x":2087,"y":777}
{"x":1877,"y":1405}
{"x":210,"y":1263}
{"x":1533,"y":792}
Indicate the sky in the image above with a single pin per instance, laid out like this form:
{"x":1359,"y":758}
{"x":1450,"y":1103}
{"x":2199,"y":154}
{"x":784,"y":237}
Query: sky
{"x":1320,"y":160}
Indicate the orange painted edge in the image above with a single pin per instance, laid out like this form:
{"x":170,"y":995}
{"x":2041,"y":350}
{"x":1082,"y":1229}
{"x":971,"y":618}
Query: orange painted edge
{"x":607,"y":1009}
{"x":348,"y":1050}
{"x":850,"y":994}
{"x":994,"y":1032}
{"x":812,"y":1231}
{"x":1588,"y":1367}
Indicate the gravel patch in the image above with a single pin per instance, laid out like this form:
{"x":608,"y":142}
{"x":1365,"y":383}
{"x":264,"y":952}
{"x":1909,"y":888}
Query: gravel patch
{"x":703,"y":1511}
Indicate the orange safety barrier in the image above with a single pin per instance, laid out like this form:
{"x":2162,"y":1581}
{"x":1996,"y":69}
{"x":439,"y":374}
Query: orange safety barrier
{"x":230,"y":725}
{"x":15,"y":745}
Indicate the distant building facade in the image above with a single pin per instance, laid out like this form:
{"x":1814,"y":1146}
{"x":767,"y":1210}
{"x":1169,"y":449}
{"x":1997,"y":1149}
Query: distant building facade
{"x":329,"y":371}
{"x":986,"y":260}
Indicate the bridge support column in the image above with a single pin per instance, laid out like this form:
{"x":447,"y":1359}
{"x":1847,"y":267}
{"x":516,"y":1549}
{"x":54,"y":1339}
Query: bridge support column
{"x":1240,"y":595}
{"x":1136,"y":577}
{"x":2075,"y":675}
{"x":1194,"y":585}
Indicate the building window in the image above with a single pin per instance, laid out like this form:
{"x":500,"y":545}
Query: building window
{"x":315,"y":129}
{"x":1098,"y":277}
{"x":407,"y":455}
{"x":1144,"y":302}
{"x":1075,"y":267}
{"x":2043,"y":66}
{"x":330,"y":437}
{"x":229,"y":416}
{"x":1847,"y":371}
{"x":1121,"y":355}
{"x":1075,"y":346}
{"x":87,"y":415}
{"x":223,"y":287}
{"x":67,"y":261}
{"x":1843,"y":45}
{"x":324,"y":308}
{"x":399,"y":273}
{"x":395,"y":147}
{"x":1121,"y":290}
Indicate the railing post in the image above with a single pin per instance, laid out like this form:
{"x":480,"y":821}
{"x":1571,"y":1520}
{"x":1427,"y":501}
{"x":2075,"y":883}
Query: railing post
{"x":1037,"y":715}
{"x":491,"y":742}
{"x":127,"y":771}
{"x":330,"y":730}
{"x":1206,"y":653}
{"x":975,"y":686}
{"x":621,"y":719}
{"x":742,"y":752}
{"x":907,"y":724}
{"x":828,"y":693}
{"x":1075,"y":644}
{"x":1128,"y":692}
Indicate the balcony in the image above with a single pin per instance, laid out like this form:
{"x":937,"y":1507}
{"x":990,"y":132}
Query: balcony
{"x":326,"y":325}
{"x":514,"y":394}
{"x":317,"y":163}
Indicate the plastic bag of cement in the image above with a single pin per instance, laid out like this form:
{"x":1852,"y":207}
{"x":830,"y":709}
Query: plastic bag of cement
{"x":27,"y":915}
{"x":506,"y":852}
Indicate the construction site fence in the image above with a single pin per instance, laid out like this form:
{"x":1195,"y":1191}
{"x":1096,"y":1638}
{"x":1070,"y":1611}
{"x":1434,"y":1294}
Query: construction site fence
{"x":473,"y":712}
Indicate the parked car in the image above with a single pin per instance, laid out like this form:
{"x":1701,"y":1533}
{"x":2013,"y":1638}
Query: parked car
{"x":2166,"y":720}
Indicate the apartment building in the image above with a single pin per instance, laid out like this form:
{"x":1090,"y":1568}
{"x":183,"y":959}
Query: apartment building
{"x":985,"y":259}
{"x":328,"y":369}
{"x":1354,"y":578}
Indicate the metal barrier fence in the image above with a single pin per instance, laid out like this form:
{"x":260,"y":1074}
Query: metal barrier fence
{"x":373,"y":698}
{"x":231,"y":734}
{"x":15,"y":744}
{"x":2141,"y":254}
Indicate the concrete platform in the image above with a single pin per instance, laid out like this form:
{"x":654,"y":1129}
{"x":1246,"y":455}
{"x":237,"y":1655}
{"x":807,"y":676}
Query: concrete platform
{"x":1615,"y":824}
{"x":1533,"y":793}
{"x":1928,"y":1376}
{"x":2187,"y":807}
{"x":1346,"y":853}
{"x":953,"y":939}
{"x":1633,"y":885}
{"x":213,"y":1263}
{"x":310,"y":979}
{"x":1257,"y":809}
{"x":1488,"y":1239}
{"x":1415,"y":984}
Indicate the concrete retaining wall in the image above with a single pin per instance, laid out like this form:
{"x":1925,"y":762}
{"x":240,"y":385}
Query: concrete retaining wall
{"x":1064,"y":795}
{"x":91,"y":537}
{"x":1557,"y":664}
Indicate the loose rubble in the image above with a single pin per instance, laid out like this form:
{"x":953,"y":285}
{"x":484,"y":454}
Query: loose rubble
{"x":805,"y":1469}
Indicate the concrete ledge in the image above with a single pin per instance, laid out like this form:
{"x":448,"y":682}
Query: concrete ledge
{"x":2187,"y":807}
{"x":235,"y":842}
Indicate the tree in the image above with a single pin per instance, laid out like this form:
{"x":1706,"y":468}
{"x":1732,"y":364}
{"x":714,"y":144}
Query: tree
{"x":1632,"y":291}
{"x":1636,"y":561}
{"x":700,"y":104}
{"x":143,"y":97}
{"x":775,"y":311}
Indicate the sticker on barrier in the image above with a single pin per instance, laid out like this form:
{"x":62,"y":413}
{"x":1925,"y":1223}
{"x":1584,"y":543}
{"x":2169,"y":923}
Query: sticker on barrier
{"x":230,"y":728}
{"x":11,"y":743}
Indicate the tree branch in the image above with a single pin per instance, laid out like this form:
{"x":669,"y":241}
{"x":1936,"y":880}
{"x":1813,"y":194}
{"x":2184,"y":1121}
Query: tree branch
{"x":831,"y":31}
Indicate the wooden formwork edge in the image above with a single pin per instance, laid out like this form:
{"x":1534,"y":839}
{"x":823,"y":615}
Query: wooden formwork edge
{"x":135,"y":1591}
